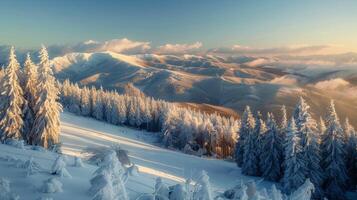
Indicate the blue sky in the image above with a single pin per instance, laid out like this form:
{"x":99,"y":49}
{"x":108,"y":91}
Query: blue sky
{"x":258,"y":23}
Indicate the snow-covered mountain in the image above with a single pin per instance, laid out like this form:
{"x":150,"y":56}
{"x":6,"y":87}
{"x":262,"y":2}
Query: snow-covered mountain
{"x":265,"y":83}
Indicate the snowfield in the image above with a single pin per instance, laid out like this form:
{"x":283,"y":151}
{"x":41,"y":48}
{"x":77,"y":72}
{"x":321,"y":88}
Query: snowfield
{"x":78,"y":133}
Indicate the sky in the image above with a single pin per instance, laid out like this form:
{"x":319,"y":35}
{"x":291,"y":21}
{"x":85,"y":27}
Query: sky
{"x":212,"y":23}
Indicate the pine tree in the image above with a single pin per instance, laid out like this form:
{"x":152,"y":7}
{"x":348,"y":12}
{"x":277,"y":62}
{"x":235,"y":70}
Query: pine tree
{"x":11,"y":101}
{"x":85,"y":102}
{"x":351,"y":152}
{"x":107,"y":182}
{"x":30,"y":94}
{"x":271,"y":156}
{"x":247,"y":126}
{"x":294,"y":164}
{"x":310,"y":139}
{"x":333,"y":154}
{"x":46,"y":127}
{"x":251,"y":154}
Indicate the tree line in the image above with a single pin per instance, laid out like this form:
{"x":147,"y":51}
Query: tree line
{"x":29,"y":107}
{"x":178,"y":127}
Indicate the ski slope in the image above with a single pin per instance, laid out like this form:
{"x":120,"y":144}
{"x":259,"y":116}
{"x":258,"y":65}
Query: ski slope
{"x":78,"y":133}
{"x":173,"y":166}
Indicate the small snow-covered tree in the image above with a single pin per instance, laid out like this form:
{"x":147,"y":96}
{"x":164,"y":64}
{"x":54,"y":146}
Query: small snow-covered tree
{"x":304,"y":192}
{"x":333,"y":154}
{"x":203,"y":188}
{"x":107,"y":182}
{"x":275,"y":193}
{"x":161,"y":189}
{"x":247,"y":127}
{"x":59,"y":167}
{"x":271,"y":155}
{"x":294,"y":164}
{"x":351,"y":152}
{"x":31,"y":167}
{"x":5,"y":190}
{"x":30,"y":94}
{"x":78,"y":162}
{"x":11,"y":101}
{"x":52,"y":185}
{"x":98,"y":106}
{"x":46,"y":127}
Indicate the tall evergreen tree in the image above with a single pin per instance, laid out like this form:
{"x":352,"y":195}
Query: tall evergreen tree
{"x":271,"y":155}
{"x":11,"y":101}
{"x":333,"y":154}
{"x":294,"y":164}
{"x":30,"y":94}
{"x":251,"y":154}
{"x":46,"y":127}
{"x":309,"y":134}
{"x":247,"y":127}
{"x":351,"y":152}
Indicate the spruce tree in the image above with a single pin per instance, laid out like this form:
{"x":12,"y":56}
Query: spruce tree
{"x":46,"y":127}
{"x":30,"y":94}
{"x":333,"y":154}
{"x":11,"y":101}
{"x":271,"y":155}
{"x":251,"y":154}
{"x":310,"y":137}
{"x":351,"y":152}
{"x":247,"y":126}
{"x":294,"y":164}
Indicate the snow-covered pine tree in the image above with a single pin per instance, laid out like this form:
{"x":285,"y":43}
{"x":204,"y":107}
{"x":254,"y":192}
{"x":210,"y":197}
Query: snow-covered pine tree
{"x":351,"y":152}
{"x":251,"y":154}
{"x":11,"y":101}
{"x":322,"y":126}
{"x":85,"y":102}
{"x":261,"y":128}
{"x":46,"y":127}
{"x":107,"y":183}
{"x":203,"y":189}
{"x":59,"y":167}
{"x":310,"y":139}
{"x":294,"y":164}
{"x":30,"y":94}
{"x":247,"y":126}
{"x":98,"y":106}
{"x":304,"y":192}
{"x":333,"y":154}
{"x":271,"y":155}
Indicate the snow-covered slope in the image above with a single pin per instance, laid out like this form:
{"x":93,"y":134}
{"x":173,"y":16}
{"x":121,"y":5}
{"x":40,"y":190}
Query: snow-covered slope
{"x":78,"y":133}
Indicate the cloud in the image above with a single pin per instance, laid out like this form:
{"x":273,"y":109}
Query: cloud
{"x":178,"y":48}
{"x":116,"y":45}
{"x":338,"y":86}
{"x":284,"y":50}
{"x":332,"y":84}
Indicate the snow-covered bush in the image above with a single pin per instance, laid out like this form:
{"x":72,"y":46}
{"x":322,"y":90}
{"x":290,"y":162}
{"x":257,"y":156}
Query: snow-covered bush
{"x":78,"y":162}
{"x":5,"y":190}
{"x":203,"y":188}
{"x":31,"y":166}
{"x":178,"y":192}
{"x":161,"y":189}
{"x":59,"y":167}
{"x":107,"y":182}
{"x":96,"y":155}
{"x":15,"y":143}
{"x":51,"y":185}
{"x":303,"y":192}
